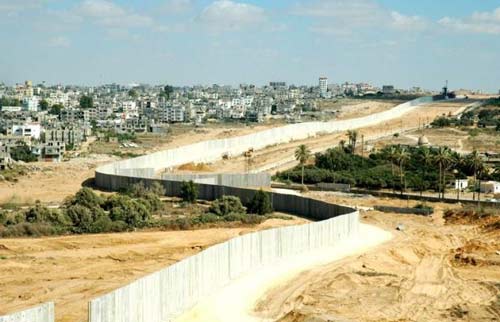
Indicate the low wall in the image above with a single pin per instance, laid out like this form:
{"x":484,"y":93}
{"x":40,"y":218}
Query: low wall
{"x":41,"y":313}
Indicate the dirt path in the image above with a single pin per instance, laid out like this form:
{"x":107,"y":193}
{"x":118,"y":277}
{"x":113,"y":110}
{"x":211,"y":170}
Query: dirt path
{"x":72,"y":270}
{"x":414,"y":277}
{"x":236,"y":301}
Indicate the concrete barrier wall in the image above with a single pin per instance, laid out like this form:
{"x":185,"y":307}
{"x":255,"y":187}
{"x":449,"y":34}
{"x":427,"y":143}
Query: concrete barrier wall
{"x":41,"y":313}
{"x":164,"y":295}
{"x":209,"y":151}
{"x":224,"y":179}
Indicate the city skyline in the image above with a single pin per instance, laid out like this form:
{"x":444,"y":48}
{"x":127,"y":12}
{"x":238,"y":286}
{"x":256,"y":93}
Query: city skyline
{"x":186,"y":42}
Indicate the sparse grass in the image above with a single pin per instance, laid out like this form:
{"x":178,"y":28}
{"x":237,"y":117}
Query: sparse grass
{"x":12,"y":174}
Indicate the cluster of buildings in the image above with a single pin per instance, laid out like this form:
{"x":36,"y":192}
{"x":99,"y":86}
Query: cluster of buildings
{"x":51,"y":119}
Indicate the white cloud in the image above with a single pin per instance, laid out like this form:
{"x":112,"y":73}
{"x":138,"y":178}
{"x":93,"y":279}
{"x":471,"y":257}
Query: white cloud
{"x":229,"y":15}
{"x":178,"y":6}
{"x":111,"y":15}
{"x":59,"y":41}
{"x":19,"y":5}
{"x":410,"y":23}
{"x":100,"y":8}
{"x":345,"y":17}
{"x":478,"y":22}
{"x":353,"y":12}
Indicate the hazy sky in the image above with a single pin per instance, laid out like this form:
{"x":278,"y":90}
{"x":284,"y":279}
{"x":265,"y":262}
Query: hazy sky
{"x":184,"y":42}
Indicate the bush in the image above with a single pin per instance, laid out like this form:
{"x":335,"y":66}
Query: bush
{"x":22,"y":153}
{"x":83,"y":219}
{"x":226,"y":205}
{"x":260,"y":203}
{"x":28,"y":229}
{"x":139,"y":190}
{"x":133,"y":212}
{"x":87,"y":198}
{"x":235,"y":217}
{"x":189,"y":191}
{"x":208,"y":218}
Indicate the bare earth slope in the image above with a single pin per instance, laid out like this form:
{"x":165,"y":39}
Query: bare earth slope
{"x":414,"y":277}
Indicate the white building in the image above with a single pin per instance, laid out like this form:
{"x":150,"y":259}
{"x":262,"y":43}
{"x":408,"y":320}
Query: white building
{"x":11,"y":108}
{"x":323,"y":86}
{"x":31,"y":103}
{"x":461,"y":184}
{"x":490,"y":187}
{"x":172,"y":114}
{"x":32,"y":130}
{"x":130,"y":109}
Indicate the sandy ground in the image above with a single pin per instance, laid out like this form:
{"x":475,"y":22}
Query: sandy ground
{"x":417,"y":276}
{"x":74,"y":269}
{"x":235,"y":302}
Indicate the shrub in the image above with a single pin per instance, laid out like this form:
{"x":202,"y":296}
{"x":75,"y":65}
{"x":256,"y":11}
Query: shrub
{"x":101,"y":225}
{"x":189,"y":191}
{"x":208,"y":218}
{"x":83,"y":218}
{"x":87,"y":198}
{"x":235,"y":217}
{"x":133,"y":212}
{"x":226,"y":205}
{"x":139,"y":190}
{"x":260,"y":203}
{"x":28,"y":229}
{"x":253,"y":219}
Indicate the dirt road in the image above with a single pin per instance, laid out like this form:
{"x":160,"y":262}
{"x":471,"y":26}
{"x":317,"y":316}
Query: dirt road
{"x":235,"y":302}
{"x":414,"y":277}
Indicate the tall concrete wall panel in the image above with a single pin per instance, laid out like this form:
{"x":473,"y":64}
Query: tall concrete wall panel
{"x":166,"y":294}
{"x":41,"y":313}
{"x":224,"y":179}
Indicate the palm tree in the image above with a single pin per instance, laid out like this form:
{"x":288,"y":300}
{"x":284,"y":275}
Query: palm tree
{"x":402,"y":156}
{"x":442,"y":159}
{"x":392,"y":155}
{"x":302,"y":154}
{"x":476,"y":162}
{"x":353,"y":138}
{"x":426,"y":158}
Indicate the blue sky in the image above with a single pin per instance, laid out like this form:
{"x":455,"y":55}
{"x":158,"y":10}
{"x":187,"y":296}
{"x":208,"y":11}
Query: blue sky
{"x":184,"y":42}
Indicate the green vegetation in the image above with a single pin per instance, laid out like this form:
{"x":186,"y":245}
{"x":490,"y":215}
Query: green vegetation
{"x":86,"y":102}
{"x":56,"y":109}
{"x":138,"y":207}
{"x":44,"y":105}
{"x":23,"y":153}
{"x":396,"y":167}
{"x":133,"y":93}
{"x":487,"y":116}
{"x":13,"y":172}
{"x":302,"y":154}
{"x":260,"y":203}
{"x":86,"y":212}
{"x":167,"y":92}
{"x":189,"y":191}
{"x":5,"y":101}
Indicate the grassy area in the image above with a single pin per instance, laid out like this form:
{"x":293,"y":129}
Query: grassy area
{"x":13,"y":173}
